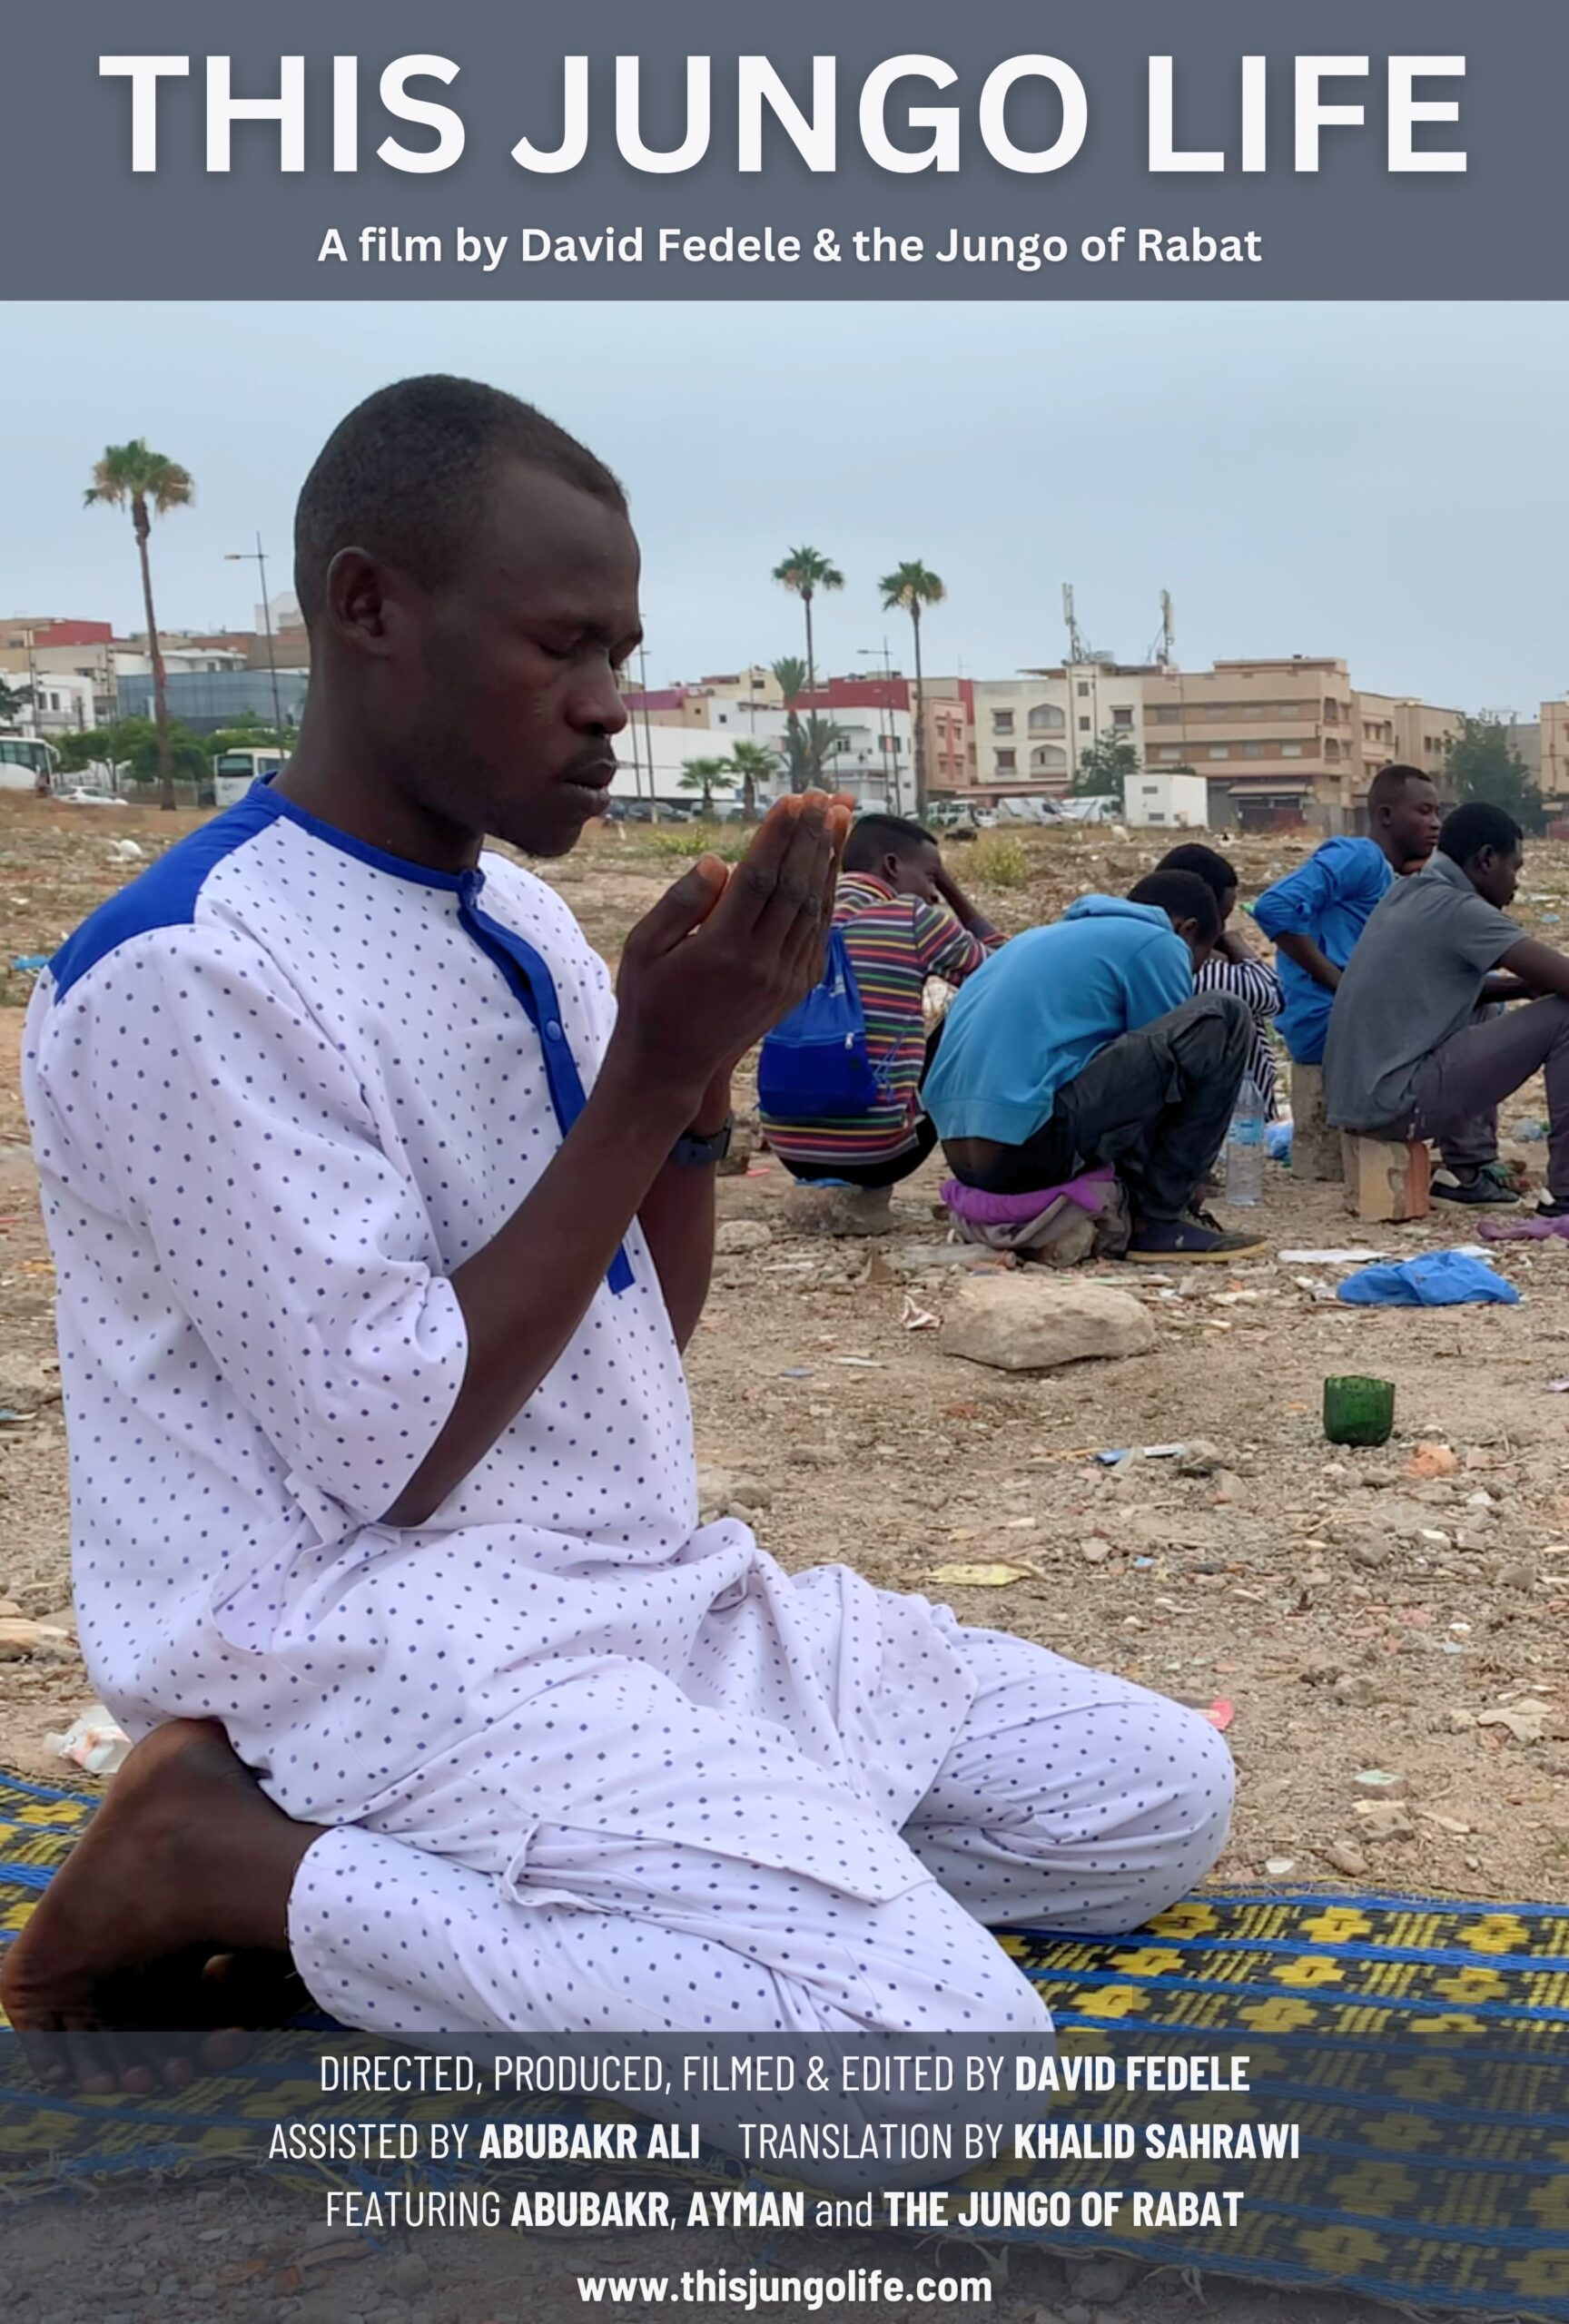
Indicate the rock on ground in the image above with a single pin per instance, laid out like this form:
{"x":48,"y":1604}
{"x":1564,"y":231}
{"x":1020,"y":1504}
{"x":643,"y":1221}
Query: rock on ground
{"x":1020,"y":1323}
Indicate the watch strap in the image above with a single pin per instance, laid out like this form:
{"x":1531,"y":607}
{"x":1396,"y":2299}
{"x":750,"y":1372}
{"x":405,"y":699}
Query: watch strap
{"x":691,"y":1153}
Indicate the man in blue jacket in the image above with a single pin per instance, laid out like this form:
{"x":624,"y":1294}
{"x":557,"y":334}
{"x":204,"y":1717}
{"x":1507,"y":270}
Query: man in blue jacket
{"x":1083,"y":1042}
{"x":1314,"y":916}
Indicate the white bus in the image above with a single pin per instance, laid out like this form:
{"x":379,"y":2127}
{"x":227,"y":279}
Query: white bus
{"x":26,"y":763}
{"x":233,"y":772}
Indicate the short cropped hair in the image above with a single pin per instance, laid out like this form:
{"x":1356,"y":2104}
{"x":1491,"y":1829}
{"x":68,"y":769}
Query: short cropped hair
{"x":1181,"y":895}
{"x":404,"y":477}
{"x":1210,"y":866}
{"x":1478,"y":824}
{"x":872,"y":837}
{"x":1388,"y":785}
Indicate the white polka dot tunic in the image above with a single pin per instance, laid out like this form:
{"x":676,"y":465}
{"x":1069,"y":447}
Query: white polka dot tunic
{"x":586,"y":1765}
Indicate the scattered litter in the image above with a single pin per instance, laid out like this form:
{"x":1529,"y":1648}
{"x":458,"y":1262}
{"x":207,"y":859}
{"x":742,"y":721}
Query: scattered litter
{"x":125,"y":851}
{"x":859,"y":1363}
{"x":916,"y":1318}
{"x":95,"y":1742}
{"x":983,"y":1577}
{"x":1437,"y":1279}
{"x":1558,"y":1387}
{"x":1328,"y":1258}
{"x":9,"y":1419}
{"x":1219,"y":1713}
{"x":28,"y":964}
{"x":1109,"y":1460}
{"x":1358,"y":1411}
{"x":1277,"y":1866}
{"x":1379,"y":1783}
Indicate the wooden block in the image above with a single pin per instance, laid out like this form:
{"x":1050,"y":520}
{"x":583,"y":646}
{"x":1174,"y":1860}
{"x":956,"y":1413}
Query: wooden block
{"x":1315,"y":1146}
{"x":1385,"y":1183}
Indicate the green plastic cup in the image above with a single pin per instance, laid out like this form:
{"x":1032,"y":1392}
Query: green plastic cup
{"x":1358,"y":1411}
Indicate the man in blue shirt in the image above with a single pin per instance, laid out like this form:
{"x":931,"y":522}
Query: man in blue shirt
{"x":1315,"y":915}
{"x":1084,"y":1043}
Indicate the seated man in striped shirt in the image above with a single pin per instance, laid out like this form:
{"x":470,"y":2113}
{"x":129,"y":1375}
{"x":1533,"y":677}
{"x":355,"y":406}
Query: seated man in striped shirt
{"x":906,"y":919}
{"x":1232,"y":967}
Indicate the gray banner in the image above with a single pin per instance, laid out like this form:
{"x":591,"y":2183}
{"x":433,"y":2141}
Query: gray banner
{"x":83,"y":223}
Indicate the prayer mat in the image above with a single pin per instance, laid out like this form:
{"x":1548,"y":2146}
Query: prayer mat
{"x":1419,"y":2047}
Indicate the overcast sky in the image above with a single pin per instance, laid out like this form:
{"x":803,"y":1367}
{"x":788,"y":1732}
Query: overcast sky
{"x":1386,"y":482}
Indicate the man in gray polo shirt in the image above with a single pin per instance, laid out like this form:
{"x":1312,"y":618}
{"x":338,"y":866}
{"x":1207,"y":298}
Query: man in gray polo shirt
{"x":1409,"y":1056}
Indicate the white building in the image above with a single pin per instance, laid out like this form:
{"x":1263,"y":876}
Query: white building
{"x":874,"y":763}
{"x":1167,"y":801}
{"x":1031,"y":730}
{"x":283,"y":612}
{"x":62,"y":703}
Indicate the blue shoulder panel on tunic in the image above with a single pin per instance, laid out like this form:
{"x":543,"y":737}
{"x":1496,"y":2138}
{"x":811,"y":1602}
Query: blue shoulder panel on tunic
{"x":164,"y":895}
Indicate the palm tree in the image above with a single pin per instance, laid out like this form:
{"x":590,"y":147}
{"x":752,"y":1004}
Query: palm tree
{"x":790,"y":673}
{"x":907,"y":589}
{"x":755,"y":763}
{"x":804,"y":572}
{"x":706,"y":775}
{"x":129,"y":475}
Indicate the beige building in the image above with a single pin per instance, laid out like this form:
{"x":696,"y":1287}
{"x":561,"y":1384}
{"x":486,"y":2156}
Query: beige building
{"x":1551,"y":755}
{"x":1030,"y":731}
{"x":714,"y":702}
{"x":1396,"y":729}
{"x":949,"y":737}
{"x":1284,"y":742}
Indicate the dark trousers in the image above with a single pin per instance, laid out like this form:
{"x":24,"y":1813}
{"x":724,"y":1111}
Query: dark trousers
{"x":1460,"y":1086}
{"x":1155,"y":1104}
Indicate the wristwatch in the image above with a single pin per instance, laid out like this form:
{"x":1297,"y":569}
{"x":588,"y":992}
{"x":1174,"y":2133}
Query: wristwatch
{"x":702,"y":1153}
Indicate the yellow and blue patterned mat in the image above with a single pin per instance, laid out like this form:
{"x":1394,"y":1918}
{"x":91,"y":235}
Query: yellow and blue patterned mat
{"x":1422,"y":2047}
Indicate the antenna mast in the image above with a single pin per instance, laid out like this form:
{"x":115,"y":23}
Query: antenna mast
{"x":1075,"y":641}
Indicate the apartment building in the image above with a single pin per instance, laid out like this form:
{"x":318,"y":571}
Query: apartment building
{"x":1285,"y":742}
{"x":1031,"y":730}
{"x":948,"y":730}
{"x":1394,"y":728}
{"x":864,"y":764}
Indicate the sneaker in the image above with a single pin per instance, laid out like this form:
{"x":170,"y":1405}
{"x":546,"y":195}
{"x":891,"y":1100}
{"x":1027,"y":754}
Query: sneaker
{"x":1195,"y":1237}
{"x":1490,"y":1187}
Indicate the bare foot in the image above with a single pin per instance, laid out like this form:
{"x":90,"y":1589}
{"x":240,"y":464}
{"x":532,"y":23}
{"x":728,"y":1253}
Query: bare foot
{"x":187,"y":1859}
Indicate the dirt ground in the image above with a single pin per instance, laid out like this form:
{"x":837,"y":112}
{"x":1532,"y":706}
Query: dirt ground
{"x":249,"y":2250}
{"x":1355,"y":1616}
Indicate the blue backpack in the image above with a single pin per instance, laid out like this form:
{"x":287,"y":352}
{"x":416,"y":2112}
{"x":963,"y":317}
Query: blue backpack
{"x":815,"y":1066}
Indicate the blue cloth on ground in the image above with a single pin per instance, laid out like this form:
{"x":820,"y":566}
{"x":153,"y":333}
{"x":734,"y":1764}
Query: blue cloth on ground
{"x":1437,"y":1279}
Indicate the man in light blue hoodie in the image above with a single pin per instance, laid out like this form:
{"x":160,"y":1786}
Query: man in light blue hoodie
{"x":1084,"y":1042}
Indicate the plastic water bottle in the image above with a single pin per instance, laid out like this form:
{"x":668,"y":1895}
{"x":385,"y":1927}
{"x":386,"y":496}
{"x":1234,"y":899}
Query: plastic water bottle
{"x":1245,"y":1146}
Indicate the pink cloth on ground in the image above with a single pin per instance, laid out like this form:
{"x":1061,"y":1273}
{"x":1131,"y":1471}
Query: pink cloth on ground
{"x":1088,"y":1190}
{"x":1520,"y":1230}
